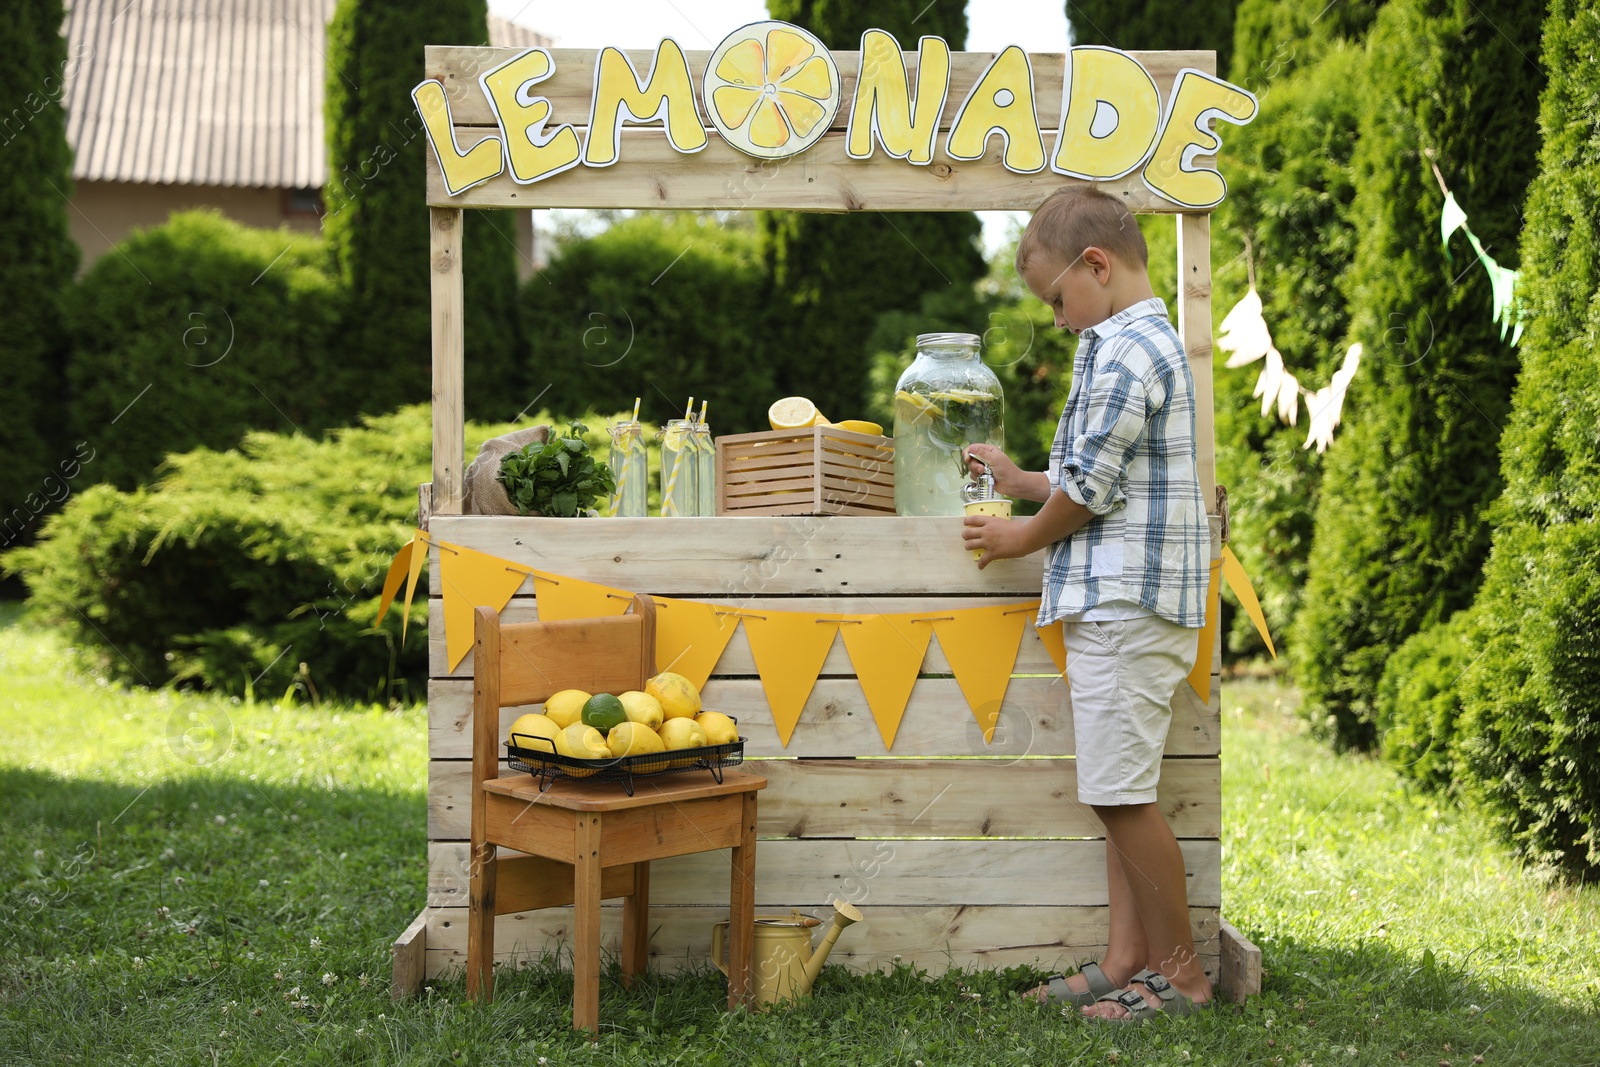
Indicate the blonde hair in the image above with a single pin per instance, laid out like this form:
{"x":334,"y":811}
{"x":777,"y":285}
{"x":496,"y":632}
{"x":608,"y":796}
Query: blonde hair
{"x":1078,"y":217}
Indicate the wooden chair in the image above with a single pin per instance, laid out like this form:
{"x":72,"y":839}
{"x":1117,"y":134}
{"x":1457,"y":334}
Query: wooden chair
{"x":588,"y":840}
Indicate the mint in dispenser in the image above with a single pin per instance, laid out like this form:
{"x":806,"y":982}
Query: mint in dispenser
{"x":946,"y":400}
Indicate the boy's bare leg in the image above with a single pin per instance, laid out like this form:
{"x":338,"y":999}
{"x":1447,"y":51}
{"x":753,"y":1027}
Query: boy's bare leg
{"x":1152,"y":868}
{"x":1127,"y":949}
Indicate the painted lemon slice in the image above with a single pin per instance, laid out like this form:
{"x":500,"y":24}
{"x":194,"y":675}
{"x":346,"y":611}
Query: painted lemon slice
{"x":773,"y":89}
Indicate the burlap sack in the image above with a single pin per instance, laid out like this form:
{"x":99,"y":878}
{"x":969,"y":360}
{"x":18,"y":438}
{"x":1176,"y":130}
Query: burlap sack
{"x":484,"y":493}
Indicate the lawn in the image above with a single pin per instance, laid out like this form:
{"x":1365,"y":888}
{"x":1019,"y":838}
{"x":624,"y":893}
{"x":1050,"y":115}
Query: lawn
{"x":189,"y":880}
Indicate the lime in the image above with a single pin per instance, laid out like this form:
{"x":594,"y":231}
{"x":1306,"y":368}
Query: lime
{"x":603,"y":711}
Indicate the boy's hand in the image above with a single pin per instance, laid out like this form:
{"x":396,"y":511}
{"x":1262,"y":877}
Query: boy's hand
{"x":997,"y":538}
{"x":1009,"y":479}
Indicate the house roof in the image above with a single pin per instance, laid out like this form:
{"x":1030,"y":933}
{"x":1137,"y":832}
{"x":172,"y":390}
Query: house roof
{"x":206,"y":92}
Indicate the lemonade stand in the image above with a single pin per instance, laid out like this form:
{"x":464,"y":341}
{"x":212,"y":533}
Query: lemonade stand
{"x":911,"y":722}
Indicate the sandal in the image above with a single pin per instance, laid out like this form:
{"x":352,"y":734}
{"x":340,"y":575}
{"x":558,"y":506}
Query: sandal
{"x":1140,"y":1010}
{"x":1058,"y":992}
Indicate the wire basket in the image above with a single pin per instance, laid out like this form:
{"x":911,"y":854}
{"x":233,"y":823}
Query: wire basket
{"x":537,"y":756}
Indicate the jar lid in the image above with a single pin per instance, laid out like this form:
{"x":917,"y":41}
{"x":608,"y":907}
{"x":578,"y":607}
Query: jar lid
{"x":930,"y":340}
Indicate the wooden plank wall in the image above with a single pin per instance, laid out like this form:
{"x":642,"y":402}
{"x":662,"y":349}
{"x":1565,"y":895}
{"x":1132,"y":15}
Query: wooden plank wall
{"x":983,"y":859}
{"x":650,"y":174}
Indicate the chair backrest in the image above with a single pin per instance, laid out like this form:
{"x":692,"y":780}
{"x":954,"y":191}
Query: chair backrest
{"x":526,"y":663}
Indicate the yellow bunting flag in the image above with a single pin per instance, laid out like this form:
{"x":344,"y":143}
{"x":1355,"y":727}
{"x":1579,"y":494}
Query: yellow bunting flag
{"x":1055,"y":643}
{"x":690,"y":637}
{"x":419,"y":556}
{"x":887,"y":651}
{"x":789,"y":647}
{"x":470,"y":580}
{"x":1200,"y":677}
{"x":561,"y":598}
{"x":398,"y":568}
{"x":1233,"y":573}
{"x":981,"y":645}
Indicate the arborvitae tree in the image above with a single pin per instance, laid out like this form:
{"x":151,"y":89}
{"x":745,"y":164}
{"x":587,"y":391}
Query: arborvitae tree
{"x":1289,"y":192}
{"x":833,"y":275}
{"x":1276,"y":37}
{"x":377,"y":222}
{"x":1532,"y":696}
{"x":37,"y":259}
{"x":1152,"y":24}
{"x":1401,"y":526}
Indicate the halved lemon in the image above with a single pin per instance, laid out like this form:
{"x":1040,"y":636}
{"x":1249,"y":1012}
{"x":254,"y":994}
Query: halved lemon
{"x":861,"y":426}
{"x":773,"y":89}
{"x":793,"y":413}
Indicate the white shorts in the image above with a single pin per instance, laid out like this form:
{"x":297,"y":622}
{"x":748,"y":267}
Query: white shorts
{"x":1122,"y":675}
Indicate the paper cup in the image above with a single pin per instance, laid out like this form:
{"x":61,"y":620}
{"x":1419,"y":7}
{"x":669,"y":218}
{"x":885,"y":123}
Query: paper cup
{"x":1000,"y":509}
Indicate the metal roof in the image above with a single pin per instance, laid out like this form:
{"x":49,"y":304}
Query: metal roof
{"x":205,"y":92}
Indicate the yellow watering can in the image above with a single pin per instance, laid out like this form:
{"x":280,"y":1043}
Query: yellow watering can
{"x":783,"y":965}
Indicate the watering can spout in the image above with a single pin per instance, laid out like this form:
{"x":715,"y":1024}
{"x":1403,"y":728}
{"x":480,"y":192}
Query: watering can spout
{"x":844,"y":915}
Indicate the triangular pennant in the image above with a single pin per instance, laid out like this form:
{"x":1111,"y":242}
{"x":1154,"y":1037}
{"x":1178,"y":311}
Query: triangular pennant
{"x":887,"y":651}
{"x":419,"y":556}
{"x":981,"y":645}
{"x":789,"y":647}
{"x":1451,"y":219}
{"x":1055,"y":643}
{"x":469,"y":580}
{"x":398,"y":568}
{"x":1200,"y":677}
{"x":560,"y":598}
{"x":690,"y":637}
{"x":1233,"y":573}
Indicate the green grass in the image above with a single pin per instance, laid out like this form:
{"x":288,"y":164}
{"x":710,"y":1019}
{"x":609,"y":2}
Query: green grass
{"x":186,"y":880}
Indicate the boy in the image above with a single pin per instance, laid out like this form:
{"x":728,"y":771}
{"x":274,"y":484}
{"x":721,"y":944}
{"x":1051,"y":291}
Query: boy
{"x":1129,"y":550}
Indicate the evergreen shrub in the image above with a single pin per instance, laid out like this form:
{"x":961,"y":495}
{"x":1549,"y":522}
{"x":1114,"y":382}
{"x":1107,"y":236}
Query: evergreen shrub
{"x":194,"y":332}
{"x":1418,"y":706}
{"x":1401,"y":530}
{"x":659,"y":307}
{"x":1531,"y":703}
{"x":256,"y":568}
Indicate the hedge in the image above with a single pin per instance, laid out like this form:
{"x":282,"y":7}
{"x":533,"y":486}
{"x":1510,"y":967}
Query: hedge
{"x":200,"y":329}
{"x":256,"y":568}
{"x":37,"y":260}
{"x":1401,"y":531}
{"x":1290,"y":190}
{"x":1531,"y":703}
{"x":659,"y":307}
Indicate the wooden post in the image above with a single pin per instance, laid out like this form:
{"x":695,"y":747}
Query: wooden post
{"x":1194,"y":328}
{"x":449,"y":350}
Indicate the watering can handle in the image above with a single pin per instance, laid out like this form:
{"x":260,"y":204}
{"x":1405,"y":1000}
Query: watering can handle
{"x":719,"y":932}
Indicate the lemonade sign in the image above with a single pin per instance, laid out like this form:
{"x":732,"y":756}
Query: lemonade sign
{"x":772,"y":90}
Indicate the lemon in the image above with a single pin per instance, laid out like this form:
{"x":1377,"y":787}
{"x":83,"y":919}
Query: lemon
{"x":861,"y":426}
{"x":603,"y":711}
{"x":642,"y":708}
{"x":633,"y":739}
{"x":678,"y":696}
{"x":772,"y":89}
{"x":582,"y":742}
{"x":566,"y":707}
{"x":682,"y":733}
{"x":793,"y":413}
{"x":528,"y":728}
{"x":719,"y":729}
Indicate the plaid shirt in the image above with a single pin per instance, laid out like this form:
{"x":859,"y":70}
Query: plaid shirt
{"x":1125,"y":450}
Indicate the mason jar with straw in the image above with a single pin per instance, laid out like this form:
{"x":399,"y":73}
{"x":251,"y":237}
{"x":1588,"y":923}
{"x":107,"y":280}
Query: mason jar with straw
{"x":705,"y":463}
{"x":680,"y":483}
{"x":629,"y":465}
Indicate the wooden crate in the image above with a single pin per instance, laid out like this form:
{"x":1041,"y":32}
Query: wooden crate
{"x":818,"y":470}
